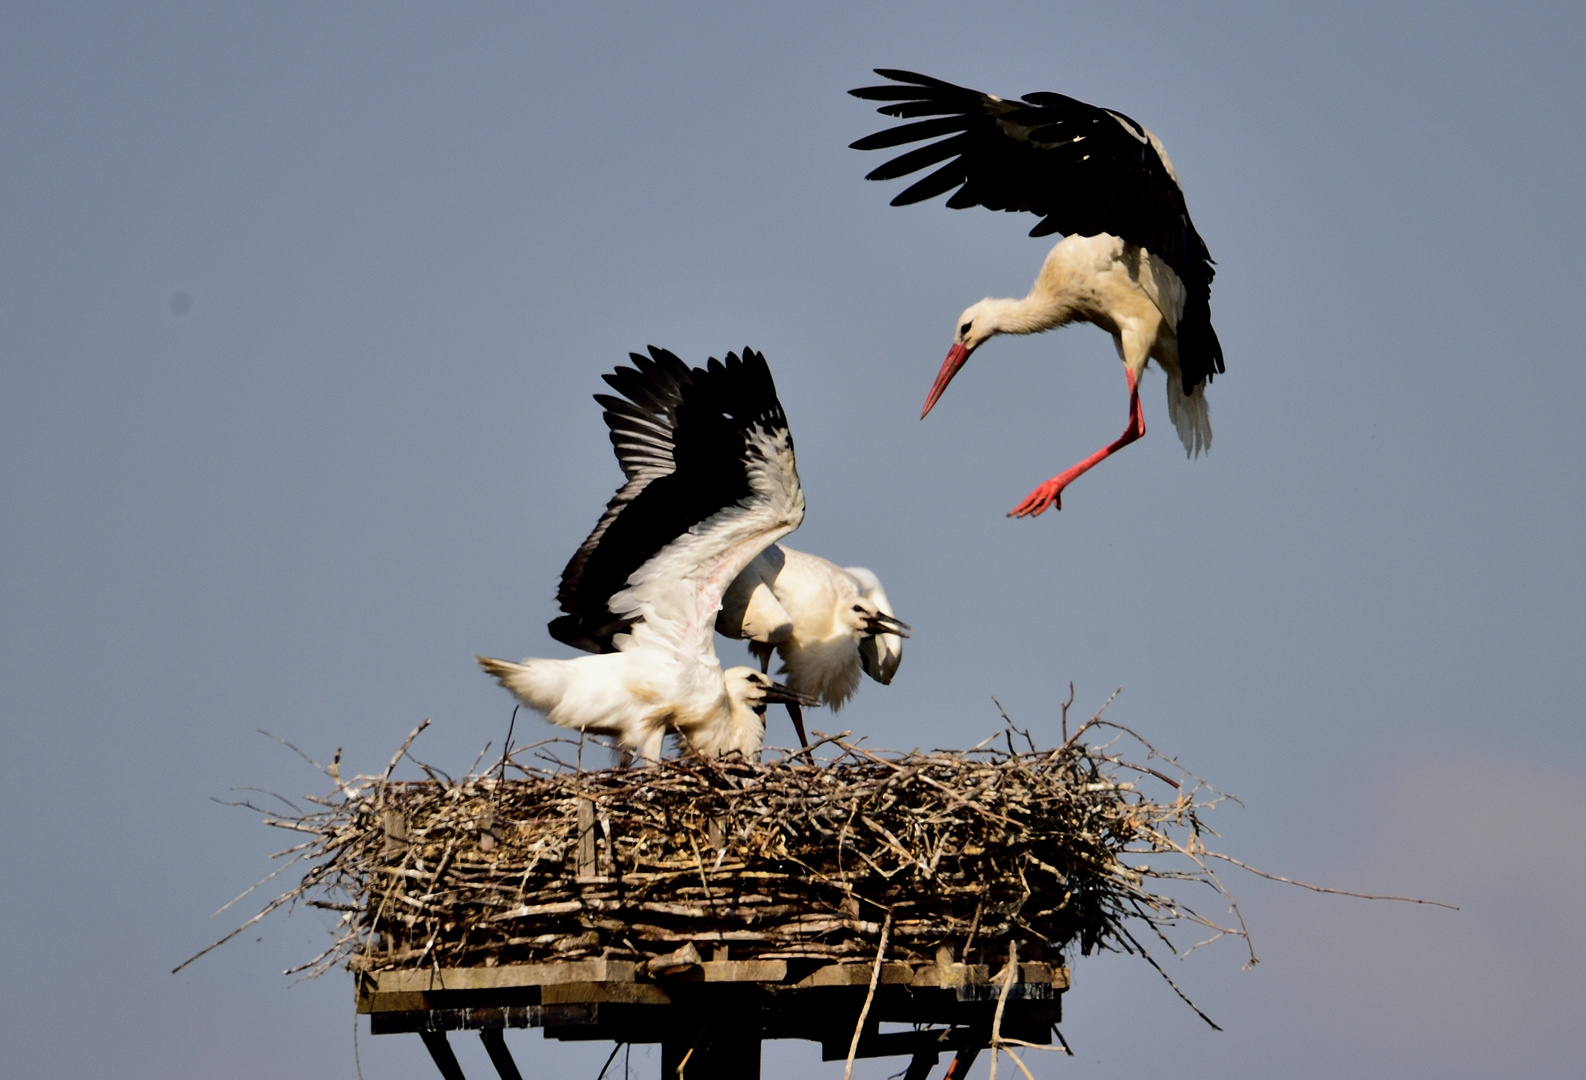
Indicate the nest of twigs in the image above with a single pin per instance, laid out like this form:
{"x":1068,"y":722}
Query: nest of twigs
{"x":965,"y":851}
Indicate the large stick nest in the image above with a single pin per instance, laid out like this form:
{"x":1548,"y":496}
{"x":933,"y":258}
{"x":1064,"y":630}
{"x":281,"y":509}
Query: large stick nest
{"x":968,"y":850}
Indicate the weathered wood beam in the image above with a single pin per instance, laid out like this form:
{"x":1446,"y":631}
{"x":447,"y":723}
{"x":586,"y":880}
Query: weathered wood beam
{"x":587,"y":867}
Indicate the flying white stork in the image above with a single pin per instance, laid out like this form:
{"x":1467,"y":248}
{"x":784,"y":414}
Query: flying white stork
{"x":1131,"y":262}
{"x":705,"y":494}
{"x":826,"y":622}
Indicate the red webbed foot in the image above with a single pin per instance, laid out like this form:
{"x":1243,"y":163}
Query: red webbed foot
{"x":1048,"y":496}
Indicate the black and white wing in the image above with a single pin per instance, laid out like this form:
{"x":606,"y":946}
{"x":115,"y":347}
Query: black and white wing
{"x":641,"y":426}
{"x":1083,"y":170}
{"x":712,"y":480}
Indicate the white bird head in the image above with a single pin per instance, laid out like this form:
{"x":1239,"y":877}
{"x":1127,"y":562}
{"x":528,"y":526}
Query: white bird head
{"x":748,"y":694}
{"x":979,"y":322}
{"x":881,"y":647}
{"x":865,"y":619}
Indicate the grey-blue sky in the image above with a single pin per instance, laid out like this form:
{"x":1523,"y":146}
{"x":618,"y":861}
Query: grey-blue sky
{"x":413,"y":238}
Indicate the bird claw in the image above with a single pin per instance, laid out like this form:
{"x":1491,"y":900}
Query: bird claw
{"x":1049,"y":494}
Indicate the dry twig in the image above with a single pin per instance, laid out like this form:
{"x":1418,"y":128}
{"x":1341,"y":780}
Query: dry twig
{"x":864,"y":1011}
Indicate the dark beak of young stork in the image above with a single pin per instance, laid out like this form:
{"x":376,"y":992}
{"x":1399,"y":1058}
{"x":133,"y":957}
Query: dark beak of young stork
{"x":955,"y":360}
{"x":882,"y":623}
{"x":790,"y":697}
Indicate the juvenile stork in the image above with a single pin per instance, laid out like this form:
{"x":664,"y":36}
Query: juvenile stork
{"x":705,"y":494}
{"x":826,"y":622}
{"x":1131,"y":262}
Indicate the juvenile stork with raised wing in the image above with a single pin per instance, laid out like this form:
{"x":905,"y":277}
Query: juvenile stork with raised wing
{"x":826,"y":622}
{"x":1130,"y":262}
{"x":705,"y":493}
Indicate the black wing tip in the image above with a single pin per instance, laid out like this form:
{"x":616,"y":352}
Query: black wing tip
{"x":661,"y":370}
{"x":742,"y":386}
{"x":913,"y":85}
{"x":757,"y":367}
{"x":748,"y":359}
{"x":914,"y":78}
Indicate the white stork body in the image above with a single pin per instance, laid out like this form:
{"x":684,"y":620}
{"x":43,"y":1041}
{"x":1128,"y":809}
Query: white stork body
{"x":706,"y":492}
{"x":640,"y":696}
{"x":1124,"y":290}
{"x":1132,"y":262}
{"x":817,"y":616}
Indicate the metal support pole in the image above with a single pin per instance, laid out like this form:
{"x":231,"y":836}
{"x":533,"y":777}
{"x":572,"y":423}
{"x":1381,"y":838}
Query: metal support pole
{"x":712,"y":1054}
{"x":961,"y":1063}
{"x":921,"y":1064}
{"x":441,"y":1051}
{"x":500,"y":1056}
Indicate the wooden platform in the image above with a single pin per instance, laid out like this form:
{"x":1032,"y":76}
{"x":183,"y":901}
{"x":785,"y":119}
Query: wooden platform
{"x":716,"y":1012}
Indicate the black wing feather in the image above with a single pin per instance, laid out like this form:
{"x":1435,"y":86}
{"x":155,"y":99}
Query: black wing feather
{"x":681,"y":437}
{"x":919,"y":158}
{"x":921,"y":129}
{"x":1083,"y":170}
{"x":946,"y":178}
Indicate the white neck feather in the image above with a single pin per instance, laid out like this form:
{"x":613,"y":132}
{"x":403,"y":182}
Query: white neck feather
{"x":1031,"y":314}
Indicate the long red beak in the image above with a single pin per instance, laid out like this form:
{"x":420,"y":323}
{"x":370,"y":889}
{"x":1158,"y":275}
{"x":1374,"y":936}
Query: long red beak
{"x":955,"y":360}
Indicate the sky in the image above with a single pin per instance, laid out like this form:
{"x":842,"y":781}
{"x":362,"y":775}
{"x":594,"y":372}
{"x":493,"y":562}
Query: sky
{"x":301,"y":309}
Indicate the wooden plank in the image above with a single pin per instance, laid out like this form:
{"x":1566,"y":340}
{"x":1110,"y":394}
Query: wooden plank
{"x":587,"y":867}
{"x":614,"y":993}
{"x":392,"y":1003}
{"x":770,"y":971}
{"x":1051,"y":974}
{"x":502,"y":978}
{"x":395,"y":826}
{"x":948,"y":976}
{"x":729,"y":971}
{"x":858,"y":974}
{"x":514,"y":1016}
{"x":396,"y":990}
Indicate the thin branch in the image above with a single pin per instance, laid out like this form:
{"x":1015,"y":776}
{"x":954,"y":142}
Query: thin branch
{"x":864,"y":1011}
{"x":1148,"y":958}
{"x":1011,"y":973}
{"x":614,"y":1049}
{"x":1325,"y":889}
{"x":407,"y":742}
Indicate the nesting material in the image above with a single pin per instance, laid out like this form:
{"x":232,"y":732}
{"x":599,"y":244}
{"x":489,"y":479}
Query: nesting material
{"x":1064,"y":848}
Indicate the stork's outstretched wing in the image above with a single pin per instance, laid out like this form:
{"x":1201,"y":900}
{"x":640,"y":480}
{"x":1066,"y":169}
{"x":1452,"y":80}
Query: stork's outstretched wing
{"x":642,"y":426}
{"x":1083,"y":170}
{"x":712,"y":481}
{"x":642,"y":435}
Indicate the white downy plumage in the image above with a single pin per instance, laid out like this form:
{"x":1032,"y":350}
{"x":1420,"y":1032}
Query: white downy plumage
{"x":707,"y":491}
{"x":1131,"y":262}
{"x":827,"y":623}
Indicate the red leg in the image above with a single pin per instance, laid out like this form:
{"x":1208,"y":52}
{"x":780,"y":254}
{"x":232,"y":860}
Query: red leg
{"x":1051,"y":493}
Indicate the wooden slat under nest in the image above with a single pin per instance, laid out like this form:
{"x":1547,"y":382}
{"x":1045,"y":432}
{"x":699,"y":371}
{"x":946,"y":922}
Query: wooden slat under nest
{"x":799,"y":858}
